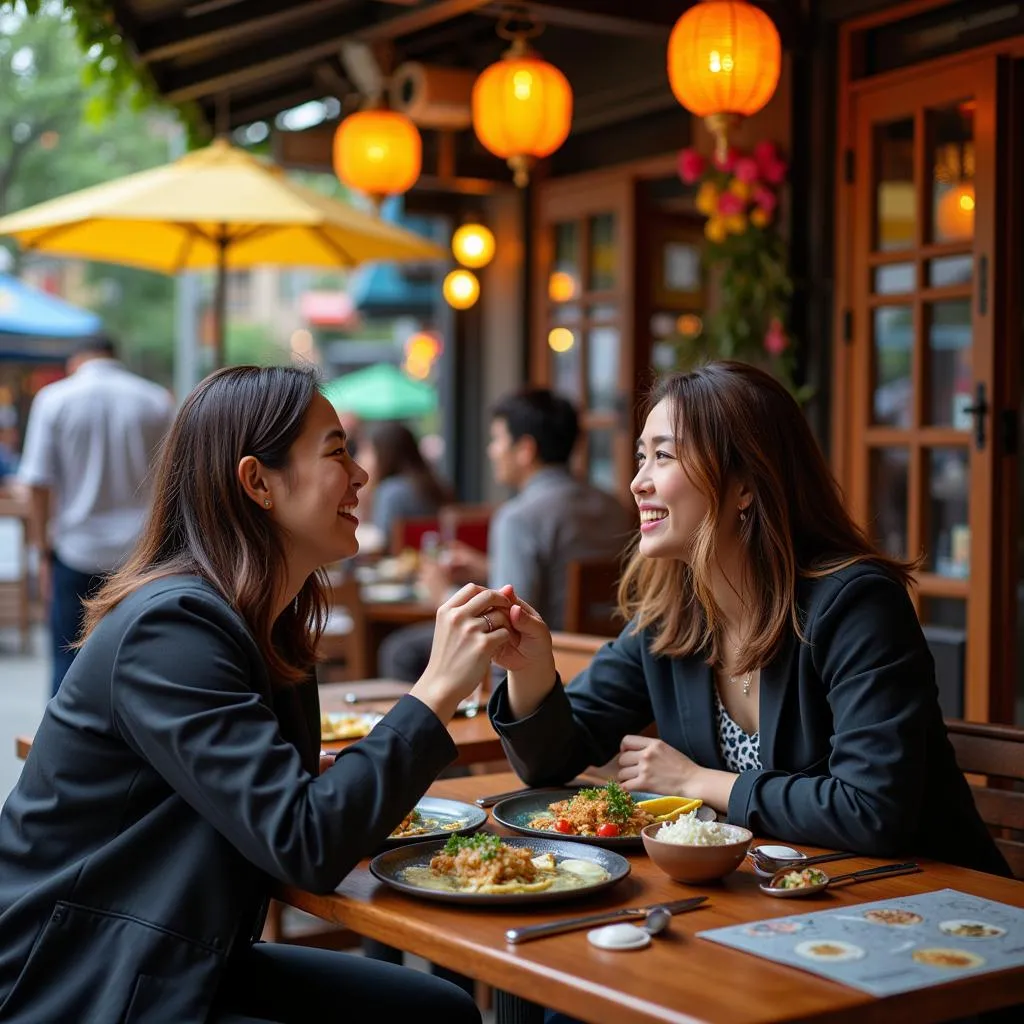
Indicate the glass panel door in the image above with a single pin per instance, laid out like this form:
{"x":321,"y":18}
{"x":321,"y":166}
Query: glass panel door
{"x":921,"y":466}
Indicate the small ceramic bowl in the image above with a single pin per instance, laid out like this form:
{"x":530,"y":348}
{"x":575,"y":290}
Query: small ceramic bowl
{"x":697,"y":863}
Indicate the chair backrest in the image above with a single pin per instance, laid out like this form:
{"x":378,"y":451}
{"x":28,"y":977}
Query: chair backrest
{"x":996,"y":752}
{"x":469,"y":524}
{"x":574,"y":652}
{"x":590,"y":597}
{"x":343,"y":647}
{"x":408,"y":533}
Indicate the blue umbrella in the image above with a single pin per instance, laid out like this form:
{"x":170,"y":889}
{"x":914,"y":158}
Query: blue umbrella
{"x":27,"y":311}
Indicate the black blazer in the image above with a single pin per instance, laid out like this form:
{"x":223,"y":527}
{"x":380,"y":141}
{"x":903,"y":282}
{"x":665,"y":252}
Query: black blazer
{"x":854,"y":751}
{"x":167,"y":785}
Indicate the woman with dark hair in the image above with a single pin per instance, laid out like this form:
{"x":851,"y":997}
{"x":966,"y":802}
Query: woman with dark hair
{"x":404,"y":486}
{"x":773,"y":645}
{"x":177,"y":774}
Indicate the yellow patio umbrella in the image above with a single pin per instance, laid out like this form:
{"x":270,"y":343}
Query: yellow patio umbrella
{"x":216,"y":208}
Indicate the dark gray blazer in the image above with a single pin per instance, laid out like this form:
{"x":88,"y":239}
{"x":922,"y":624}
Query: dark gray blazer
{"x":854,"y":751}
{"x":168,"y":784}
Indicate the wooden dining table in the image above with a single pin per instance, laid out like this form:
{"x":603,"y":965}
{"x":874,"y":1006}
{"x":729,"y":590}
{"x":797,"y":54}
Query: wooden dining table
{"x":679,"y":977}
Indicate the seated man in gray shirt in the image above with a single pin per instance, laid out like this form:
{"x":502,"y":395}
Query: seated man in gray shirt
{"x":553,"y":519}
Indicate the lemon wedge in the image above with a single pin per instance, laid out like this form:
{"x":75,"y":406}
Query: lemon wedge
{"x":668,"y":808}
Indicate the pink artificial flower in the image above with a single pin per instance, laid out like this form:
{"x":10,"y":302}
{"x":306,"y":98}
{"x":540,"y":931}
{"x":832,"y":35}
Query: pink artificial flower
{"x":730,"y":204}
{"x":691,"y":165}
{"x":766,"y":199}
{"x":765,"y":153}
{"x":727,"y":162}
{"x":746,"y":170}
{"x":775,"y":341}
{"x":775,"y":172}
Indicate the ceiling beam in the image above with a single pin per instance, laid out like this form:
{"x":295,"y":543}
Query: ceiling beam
{"x":235,"y":67}
{"x":180,"y":34}
{"x":651,"y":19}
{"x":265,"y":106}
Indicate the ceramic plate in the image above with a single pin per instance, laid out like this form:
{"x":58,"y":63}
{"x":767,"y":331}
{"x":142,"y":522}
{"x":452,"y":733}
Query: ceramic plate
{"x":444,"y":818}
{"x":340,"y":725}
{"x":390,"y":868}
{"x":516,"y":812}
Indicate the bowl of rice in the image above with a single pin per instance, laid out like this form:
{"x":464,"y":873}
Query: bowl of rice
{"x":691,"y":850}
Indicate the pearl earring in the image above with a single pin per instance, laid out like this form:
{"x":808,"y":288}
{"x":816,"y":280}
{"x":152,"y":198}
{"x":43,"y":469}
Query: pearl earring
{"x":266,"y":503}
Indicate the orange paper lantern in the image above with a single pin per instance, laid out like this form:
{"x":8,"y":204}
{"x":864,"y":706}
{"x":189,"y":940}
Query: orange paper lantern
{"x":522,"y":109}
{"x":724,"y":59}
{"x":378,"y":152}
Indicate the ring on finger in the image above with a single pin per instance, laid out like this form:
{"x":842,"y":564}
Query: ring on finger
{"x":490,"y":624}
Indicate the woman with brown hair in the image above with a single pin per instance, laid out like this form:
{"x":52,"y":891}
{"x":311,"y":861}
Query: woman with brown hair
{"x":177,"y":774}
{"x":775,"y":648}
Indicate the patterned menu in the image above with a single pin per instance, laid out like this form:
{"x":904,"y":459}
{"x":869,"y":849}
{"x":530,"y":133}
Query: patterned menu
{"x":893,"y":945}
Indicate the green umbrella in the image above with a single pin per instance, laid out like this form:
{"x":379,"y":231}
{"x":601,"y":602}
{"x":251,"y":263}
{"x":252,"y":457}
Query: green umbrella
{"x":381,"y":392}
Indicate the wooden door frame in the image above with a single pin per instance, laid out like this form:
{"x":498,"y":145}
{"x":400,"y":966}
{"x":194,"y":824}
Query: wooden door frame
{"x":990,"y":687}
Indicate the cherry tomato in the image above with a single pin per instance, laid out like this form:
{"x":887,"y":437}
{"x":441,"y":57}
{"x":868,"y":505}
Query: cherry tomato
{"x":608,"y":830}
{"x":563,"y":825}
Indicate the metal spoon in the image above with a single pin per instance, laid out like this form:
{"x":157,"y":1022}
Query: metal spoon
{"x":773,"y":888}
{"x":770,"y":865}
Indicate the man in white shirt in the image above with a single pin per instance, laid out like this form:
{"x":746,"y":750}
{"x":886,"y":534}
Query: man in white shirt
{"x":89,"y":444}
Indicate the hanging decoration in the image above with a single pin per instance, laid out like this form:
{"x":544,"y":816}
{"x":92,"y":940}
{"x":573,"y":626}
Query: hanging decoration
{"x":378,"y":152}
{"x":724,"y":60}
{"x":461,"y":289}
{"x":522,"y":105}
{"x":473,"y":245}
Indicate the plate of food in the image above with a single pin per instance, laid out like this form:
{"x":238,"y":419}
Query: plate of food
{"x":336,"y":725}
{"x":606,"y":816}
{"x":486,"y":869}
{"x":433,"y":818}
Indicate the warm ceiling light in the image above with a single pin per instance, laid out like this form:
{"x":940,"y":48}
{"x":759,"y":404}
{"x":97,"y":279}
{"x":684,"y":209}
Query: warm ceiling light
{"x":522,"y":108}
{"x":561,"y":339}
{"x":461,"y":289}
{"x":473,"y":245}
{"x":561,"y":286}
{"x":378,"y":152}
{"x":724,"y":59}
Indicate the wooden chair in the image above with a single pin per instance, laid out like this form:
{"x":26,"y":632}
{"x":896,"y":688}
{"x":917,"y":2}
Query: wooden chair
{"x":343,"y":650}
{"x":590,"y":597}
{"x":15,"y":599}
{"x":467,"y":523}
{"x":574,"y":652}
{"x":997,"y":753}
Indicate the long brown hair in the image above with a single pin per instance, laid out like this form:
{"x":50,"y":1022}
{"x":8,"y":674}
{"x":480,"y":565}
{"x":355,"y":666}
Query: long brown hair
{"x":398,"y":454}
{"x":731,"y":419}
{"x":202,"y":523}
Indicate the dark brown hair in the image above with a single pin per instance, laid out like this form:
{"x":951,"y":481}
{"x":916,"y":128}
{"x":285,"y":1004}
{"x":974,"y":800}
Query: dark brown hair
{"x":730,"y":419}
{"x":398,"y":454}
{"x":202,"y":523}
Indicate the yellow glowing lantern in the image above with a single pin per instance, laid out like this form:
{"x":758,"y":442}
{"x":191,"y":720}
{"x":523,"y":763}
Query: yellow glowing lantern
{"x":522,"y":108}
{"x":561,"y":339}
{"x":561,"y":286}
{"x":724,"y":59}
{"x":473,"y":245}
{"x":954,"y":214}
{"x":461,"y":289}
{"x":378,"y":152}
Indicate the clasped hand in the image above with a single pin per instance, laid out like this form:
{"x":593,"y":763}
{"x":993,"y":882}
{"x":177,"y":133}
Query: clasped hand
{"x":650,"y":765}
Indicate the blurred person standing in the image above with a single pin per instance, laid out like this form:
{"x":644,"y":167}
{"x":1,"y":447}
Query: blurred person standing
{"x":89,"y":444}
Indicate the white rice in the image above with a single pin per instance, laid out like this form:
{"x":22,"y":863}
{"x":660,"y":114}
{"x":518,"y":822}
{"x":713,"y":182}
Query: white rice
{"x":688,"y":830}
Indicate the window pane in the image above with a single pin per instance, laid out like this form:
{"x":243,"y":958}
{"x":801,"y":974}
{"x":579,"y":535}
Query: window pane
{"x":892,"y":387}
{"x":602,"y":253}
{"x":950,"y":270}
{"x":894,"y":279}
{"x":949,"y":535}
{"x":602,"y":368}
{"x":951,"y":138}
{"x":565,"y":365}
{"x":950,"y":370}
{"x":600,"y":459}
{"x":889,"y":467}
{"x":564,"y":281}
{"x":895,"y":206}
{"x":944,"y":611}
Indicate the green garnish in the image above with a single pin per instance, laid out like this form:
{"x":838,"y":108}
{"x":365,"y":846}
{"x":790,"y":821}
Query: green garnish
{"x":487,"y":845}
{"x":620,"y":803}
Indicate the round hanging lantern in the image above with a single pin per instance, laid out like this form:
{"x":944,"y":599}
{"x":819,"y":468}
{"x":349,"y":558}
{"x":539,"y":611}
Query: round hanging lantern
{"x":378,"y":152}
{"x":461,"y":289}
{"x":522,"y":108}
{"x":724,"y":59}
{"x":954,"y":214}
{"x":473,"y":245}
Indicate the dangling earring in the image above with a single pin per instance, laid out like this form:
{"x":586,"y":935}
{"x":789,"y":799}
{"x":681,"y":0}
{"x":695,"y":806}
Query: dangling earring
{"x":266,"y":503}
{"x":743,"y":515}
